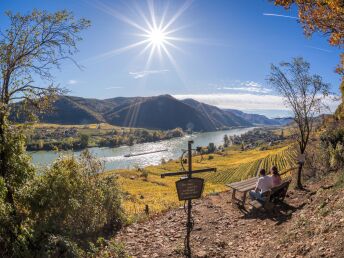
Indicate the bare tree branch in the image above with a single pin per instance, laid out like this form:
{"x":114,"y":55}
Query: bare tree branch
{"x":303,"y":93}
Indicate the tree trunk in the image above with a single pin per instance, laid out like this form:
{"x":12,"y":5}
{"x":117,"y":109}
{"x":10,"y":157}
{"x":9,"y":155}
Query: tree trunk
{"x":299,"y":175}
{"x":2,"y":145}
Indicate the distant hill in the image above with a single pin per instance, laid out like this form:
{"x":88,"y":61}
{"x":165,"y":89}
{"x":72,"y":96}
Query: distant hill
{"x":233,"y":117}
{"x":219,"y":118}
{"x":259,"y":119}
{"x":158,"y":112}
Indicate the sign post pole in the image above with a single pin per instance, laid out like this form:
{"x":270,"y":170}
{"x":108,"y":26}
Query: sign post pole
{"x":189,"y":188}
{"x":189,"y":224}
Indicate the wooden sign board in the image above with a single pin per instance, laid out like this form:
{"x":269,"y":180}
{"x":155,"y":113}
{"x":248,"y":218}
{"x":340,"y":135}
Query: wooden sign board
{"x":190,"y":188}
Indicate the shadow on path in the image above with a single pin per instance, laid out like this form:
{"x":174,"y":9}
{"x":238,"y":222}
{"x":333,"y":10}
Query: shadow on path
{"x":281,"y":213}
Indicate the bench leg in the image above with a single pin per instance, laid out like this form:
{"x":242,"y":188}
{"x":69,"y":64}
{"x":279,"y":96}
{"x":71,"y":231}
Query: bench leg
{"x":244,"y":199}
{"x":233,"y":197}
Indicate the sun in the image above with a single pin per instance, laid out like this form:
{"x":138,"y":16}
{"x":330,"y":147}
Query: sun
{"x":156,"y":33}
{"x":157,"y":37}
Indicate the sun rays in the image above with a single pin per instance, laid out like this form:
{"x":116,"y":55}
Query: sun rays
{"x":156,"y":31}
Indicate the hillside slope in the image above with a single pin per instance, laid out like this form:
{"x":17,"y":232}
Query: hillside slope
{"x":309,"y":224}
{"x":73,"y":110}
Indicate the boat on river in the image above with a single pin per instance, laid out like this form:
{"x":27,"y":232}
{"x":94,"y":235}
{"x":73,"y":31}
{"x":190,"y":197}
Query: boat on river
{"x":143,"y":153}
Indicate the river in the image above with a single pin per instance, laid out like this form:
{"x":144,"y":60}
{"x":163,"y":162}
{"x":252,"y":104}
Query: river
{"x":114,"y":157}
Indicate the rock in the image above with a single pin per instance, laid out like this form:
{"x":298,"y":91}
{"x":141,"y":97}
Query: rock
{"x":201,"y":254}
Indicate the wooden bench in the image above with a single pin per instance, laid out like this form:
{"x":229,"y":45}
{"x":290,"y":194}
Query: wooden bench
{"x":242,"y":187}
{"x":250,"y":184}
{"x":271,"y":197}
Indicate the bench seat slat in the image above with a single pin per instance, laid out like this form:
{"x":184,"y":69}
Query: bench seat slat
{"x":246,"y":188}
{"x":243,"y":183}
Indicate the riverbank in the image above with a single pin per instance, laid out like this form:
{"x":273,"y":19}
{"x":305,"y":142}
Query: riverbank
{"x":55,"y":137}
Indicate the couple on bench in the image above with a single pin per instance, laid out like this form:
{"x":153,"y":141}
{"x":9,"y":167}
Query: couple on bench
{"x":265,"y":183}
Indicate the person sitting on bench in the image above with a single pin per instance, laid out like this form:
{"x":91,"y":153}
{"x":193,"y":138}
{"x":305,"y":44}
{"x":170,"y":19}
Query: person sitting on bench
{"x":276,"y":178}
{"x":264,"y":184}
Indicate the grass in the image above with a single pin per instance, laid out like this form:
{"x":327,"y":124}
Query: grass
{"x":160,"y":193}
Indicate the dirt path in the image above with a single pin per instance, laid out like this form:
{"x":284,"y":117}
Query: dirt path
{"x":220,"y":230}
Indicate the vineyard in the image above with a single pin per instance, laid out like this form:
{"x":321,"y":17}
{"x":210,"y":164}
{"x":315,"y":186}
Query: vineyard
{"x":145,"y":187}
{"x":283,"y":159}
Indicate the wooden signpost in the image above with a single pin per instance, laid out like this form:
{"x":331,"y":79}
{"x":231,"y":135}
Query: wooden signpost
{"x":189,"y":188}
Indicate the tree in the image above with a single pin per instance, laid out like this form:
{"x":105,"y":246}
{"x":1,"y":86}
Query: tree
{"x":30,"y":47}
{"x":226,"y":141}
{"x":211,"y":147}
{"x":325,"y":16}
{"x":84,"y":140}
{"x":303,"y":93}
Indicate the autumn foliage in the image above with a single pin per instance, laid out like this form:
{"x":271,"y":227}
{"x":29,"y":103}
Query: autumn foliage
{"x":325,"y":16}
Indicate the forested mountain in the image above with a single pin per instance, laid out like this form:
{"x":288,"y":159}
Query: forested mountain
{"x":158,"y":112}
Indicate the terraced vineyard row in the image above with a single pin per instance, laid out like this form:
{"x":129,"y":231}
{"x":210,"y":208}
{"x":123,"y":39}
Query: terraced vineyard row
{"x":283,"y":160}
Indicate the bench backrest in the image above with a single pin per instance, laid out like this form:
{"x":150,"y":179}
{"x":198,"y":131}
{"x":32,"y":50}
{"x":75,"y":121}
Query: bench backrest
{"x":279,"y":192}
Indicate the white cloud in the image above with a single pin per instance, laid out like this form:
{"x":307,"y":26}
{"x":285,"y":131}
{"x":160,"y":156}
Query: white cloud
{"x":248,"y":101}
{"x":72,"y":82}
{"x":249,"y":89}
{"x":141,"y":74}
{"x":239,"y":86}
{"x":280,"y":15}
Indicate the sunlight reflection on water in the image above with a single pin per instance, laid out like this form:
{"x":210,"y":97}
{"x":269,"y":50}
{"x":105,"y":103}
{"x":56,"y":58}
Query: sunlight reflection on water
{"x":114,"y":157}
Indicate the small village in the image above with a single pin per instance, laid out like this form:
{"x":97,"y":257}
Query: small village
{"x":258,"y":137}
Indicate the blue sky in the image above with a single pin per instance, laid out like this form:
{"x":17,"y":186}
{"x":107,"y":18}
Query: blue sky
{"x":222,"y":55}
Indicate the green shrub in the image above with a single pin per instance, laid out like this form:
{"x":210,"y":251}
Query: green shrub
{"x":144,"y":174}
{"x":110,"y":249}
{"x":16,"y":170}
{"x":84,"y":140}
{"x":336,"y":156}
{"x":71,"y":205}
{"x":332,"y":137}
{"x":340,"y":180}
{"x":332,"y":148}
